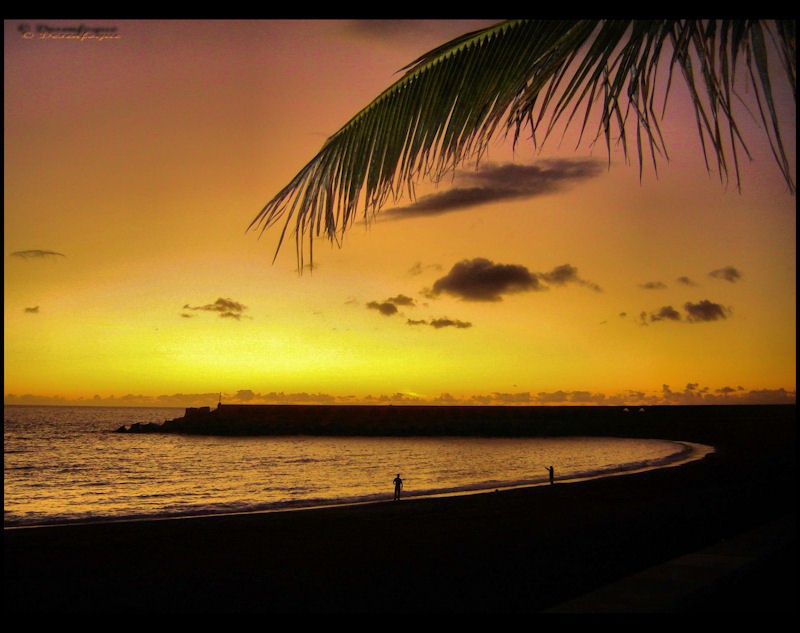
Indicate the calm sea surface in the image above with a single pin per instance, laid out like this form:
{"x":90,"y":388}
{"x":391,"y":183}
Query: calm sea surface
{"x":65,"y":464}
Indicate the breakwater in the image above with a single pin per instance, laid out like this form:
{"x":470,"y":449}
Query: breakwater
{"x":689,"y":423}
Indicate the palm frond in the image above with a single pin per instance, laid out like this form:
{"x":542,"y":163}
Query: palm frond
{"x":534,"y":76}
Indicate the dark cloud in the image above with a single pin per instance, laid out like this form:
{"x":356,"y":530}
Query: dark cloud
{"x":36,"y":254}
{"x":33,"y":310}
{"x":494,"y":183}
{"x":694,"y":387}
{"x":728,"y":273}
{"x":389,"y":306}
{"x":564,"y":274}
{"x":553,"y":396}
{"x":482,"y":280}
{"x":705,"y":310}
{"x":386,"y":308}
{"x":693,"y":393}
{"x":685,"y":281}
{"x":226,"y":308}
{"x":666,"y":313}
{"x":248,"y":395}
{"x":396,"y":397}
{"x":441,"y":323}
{"x":585,"y":397}
{"x":245,"y":395}
{"x":561,"y":275}
{"x":401,"y":300}
{"x":653,"y":285}
{"x":546,"y":398}
{"x":500,"y":397}
{"x":726,"y":390}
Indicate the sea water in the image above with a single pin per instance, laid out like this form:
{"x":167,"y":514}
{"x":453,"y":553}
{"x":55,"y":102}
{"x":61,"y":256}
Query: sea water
{"x":65,"y":464}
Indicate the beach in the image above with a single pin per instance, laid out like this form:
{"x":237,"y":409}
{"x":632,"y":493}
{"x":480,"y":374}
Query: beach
{"x":515,"y":551}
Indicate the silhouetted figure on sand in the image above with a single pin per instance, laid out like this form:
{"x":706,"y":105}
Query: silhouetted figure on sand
{"x":398,"y":486}
{"x":552,"y":476}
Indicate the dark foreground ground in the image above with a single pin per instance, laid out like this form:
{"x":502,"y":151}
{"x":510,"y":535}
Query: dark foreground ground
{"x":513,"y":551}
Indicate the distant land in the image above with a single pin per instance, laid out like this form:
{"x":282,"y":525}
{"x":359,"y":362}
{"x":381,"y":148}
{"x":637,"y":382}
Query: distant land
{"x":691,"y":394}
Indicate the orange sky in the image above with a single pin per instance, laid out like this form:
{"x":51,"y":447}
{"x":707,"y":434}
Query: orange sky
{"x":134,"y":164}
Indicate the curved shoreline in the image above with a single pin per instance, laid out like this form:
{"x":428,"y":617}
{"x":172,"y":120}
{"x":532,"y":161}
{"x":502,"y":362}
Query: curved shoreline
{"x":692,"y":452}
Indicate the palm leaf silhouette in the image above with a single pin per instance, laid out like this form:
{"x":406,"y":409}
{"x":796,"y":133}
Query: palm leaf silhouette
{"x":535,"y":75}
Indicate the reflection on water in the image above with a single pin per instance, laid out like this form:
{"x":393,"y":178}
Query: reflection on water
{"x":64,"y":464}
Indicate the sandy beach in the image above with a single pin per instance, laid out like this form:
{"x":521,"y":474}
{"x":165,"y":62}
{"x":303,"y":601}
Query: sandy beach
{"x":515,"y":551}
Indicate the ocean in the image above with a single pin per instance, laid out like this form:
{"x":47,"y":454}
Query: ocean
{"x":66,"y":465}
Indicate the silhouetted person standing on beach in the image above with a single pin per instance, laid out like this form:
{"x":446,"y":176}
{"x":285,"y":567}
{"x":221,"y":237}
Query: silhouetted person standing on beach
{"x":398,"y":486}
{"x":552,"y":476}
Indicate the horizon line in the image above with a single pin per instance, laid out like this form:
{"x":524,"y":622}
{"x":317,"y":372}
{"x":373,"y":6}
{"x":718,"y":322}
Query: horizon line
{"x":689,"y":396}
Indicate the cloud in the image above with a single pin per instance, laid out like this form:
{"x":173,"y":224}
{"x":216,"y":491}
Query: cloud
{"x":693,"y":393}
{"x":685,"y":281}
{"x":701,"y":311}
{"x":36,"y":254}
{"x":564,"y":274}
{"x":445,"y":322}
{"x":441,"y":323}
{"x":504,"y":398}
{"x":386,"y":308}
{"x":33,"y":310}
{"x":666,"y":313}
{"x":728,"y":273}
{"x":705,"y":310}
{"x":272,"y":397}
{"x":389,"y":306}
{"x":401,"y":300}
{"x":653,"y":285}
{"x":726,"y":390}
{"x":480,"y":279}
{"x":493,"y":183}
{"x":226,"y":308}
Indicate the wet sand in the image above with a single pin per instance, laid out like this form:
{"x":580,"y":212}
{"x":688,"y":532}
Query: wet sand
{"x":522,"y":550}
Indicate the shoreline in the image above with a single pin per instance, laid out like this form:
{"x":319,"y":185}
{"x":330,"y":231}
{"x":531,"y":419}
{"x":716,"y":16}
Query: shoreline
{"x":693,"y":452}
{"x":521,"y":550}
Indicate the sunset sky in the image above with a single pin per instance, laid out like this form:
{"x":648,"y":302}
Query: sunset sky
{"x":134,"y":165}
